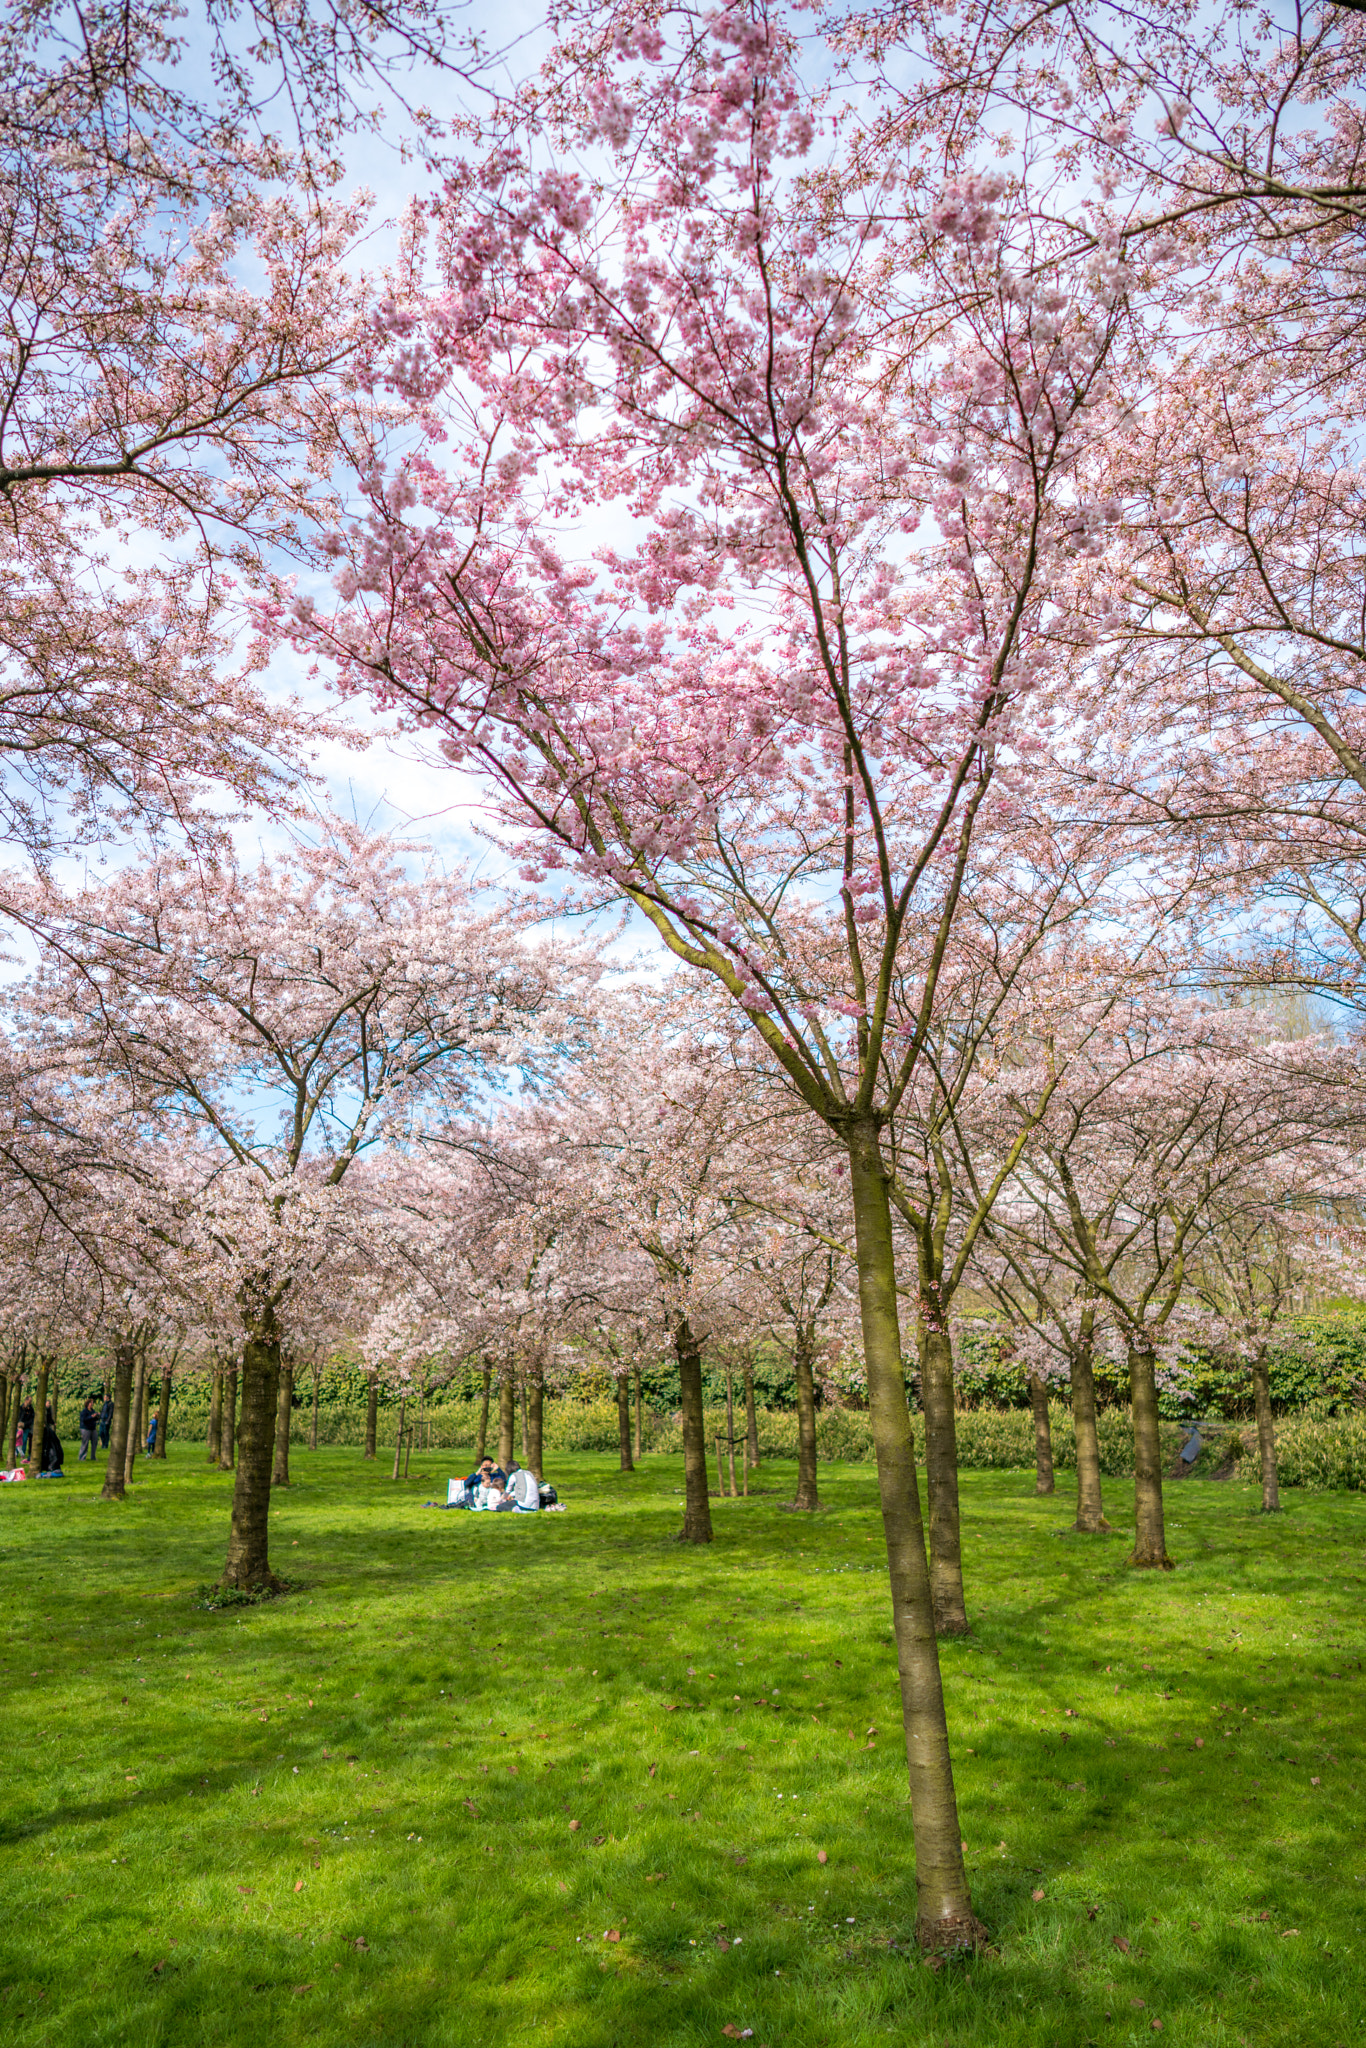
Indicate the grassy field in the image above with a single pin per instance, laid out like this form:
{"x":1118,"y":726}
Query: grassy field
{"x":556,"y":1781}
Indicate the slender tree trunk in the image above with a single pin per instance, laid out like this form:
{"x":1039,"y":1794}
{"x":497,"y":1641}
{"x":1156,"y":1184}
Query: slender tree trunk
{"x":163,"y":1413}
{"x":507,"y":1416}
{"x":526,"y":1436}
{"x":6,"y":1433}
{"x":624,"y":1421}
{"x":1043,"y":1435}
{"x":112,"y":1489}
{"x":484,"y":1418}
{"x":227,"y":1440}
{"x":1090,"y":1510}
{"x":136,"y":1427}
{"x":944,"y":1917}
{"x":215,"y":1415}
{"x":284,"y":1407}
{"x":317,"y":1395}
{"x":54,"y":1399}
{"x":34,"y":1461}
{"x":696,"y":1506}
{"x":1150,"y":1541}
{"x":372,"y":1418}
{"x":408,"y":1448}
{"x":398,"y":1440}
{"x":640,"y":1420}
{"x":730,"y":1430}
{"x":941,"y":1479}
{"x":1266,"y":1434}
{"x":751,"y":1419}
{"x":535,"y":1423}
{"x":248,"y":1562}
{"x":807,"y":1496}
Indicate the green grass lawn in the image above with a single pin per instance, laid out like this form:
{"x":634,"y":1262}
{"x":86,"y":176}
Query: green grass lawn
{"x":407,"y":1803}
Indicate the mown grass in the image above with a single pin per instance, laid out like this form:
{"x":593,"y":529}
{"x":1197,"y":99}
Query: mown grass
{"x":346,"y":1817}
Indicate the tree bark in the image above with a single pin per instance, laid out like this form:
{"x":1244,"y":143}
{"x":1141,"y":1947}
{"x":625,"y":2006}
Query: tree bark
{"x":640,"y":1420}
{"x":807,"y":1495}
{"x":535,"y":1423}
{"x":1150,"y":1541}
{"x":136,"y":1425}
{"x":1043,"y":1435}
{"x":284,"y":1408}
{"x":398,"y":1440}
{"x":6,"y":1434}
{"x":215,"y":1415}
{"x":118,"y":1427}
{"x":248,"y":1563}
{"x":507,"y":1417}
{"x":730,"y":1431}
{"x":408,"y":1447}
{"x":751,"y":1420}
{"x":696,"y":1506}
{"x":526,"y":1423}
{"x":1266,"y":1434}
{"x":34,"y":1460}
{"x":317,"y":1393}
{"x":484,"y":1418}
{"x":941,"y":1479}
{"x":624,"y":1422}
{"x":163,"y":1413}
{"x":372,"y":1418}
{"x":227,"y":1441}
{"x":1090,"y":1510}
{"x":944,"y":1917}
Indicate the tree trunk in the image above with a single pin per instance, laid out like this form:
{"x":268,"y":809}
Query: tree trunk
{"x":535,"y":1423}
{"x":6,"y":1433}
{"x":526,"y":1429}
{"x":624,"y":1421}
{"x":1090,"y":1511}
{"x":807,"y":1496}
{"x":284,"y":1408}
{"x":372,"y":1418}
{"x":118,"y":1426}
{"x":248,"y":1564}
{"x":54,"y":1400}
{"x":317,"y":1394}
{"x":34,"y":1461}
{"x":696,"y":1506}
{"x":751,"y":1419}
{"x":941,"y":1479}
{"x":137,"y":1420}
{"x":640,"y":1420}
{"x":215,"y":1415}
{"x":484,"y":1419}
{"x":227,"y":1441}
{"x":1043,"y":1435}
{"x":1266,"y":1434}
{"x":408,"y":1447}
{"x":1150,"y":1541}
{"x":730,"y":1430}
{"x":944,"y":1916}
{"x":163,"y":1413}
{"x":507,"y":1416}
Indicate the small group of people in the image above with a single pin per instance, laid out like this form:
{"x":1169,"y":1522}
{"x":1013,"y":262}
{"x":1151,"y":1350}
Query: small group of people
{"x":493,"y":1491}
{"x":51,"y":1456}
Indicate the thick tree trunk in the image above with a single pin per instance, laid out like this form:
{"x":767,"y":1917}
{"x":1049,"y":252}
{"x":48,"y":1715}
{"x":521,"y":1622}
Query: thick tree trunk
{"x":696,"y":1506}
{"x":941,"y":1479}
{"x":1043,"y":1435}
{"x":507,"y":1417}
{"x":398,"y":1440}
{"x":535,"y":1424}
{"x":284,"y":1408}
{"x":1090,"y":1510}
{"x":227,"y":1439}
{"x":624,"y":1422}
{"x":751,"y":1420}
{"x":34,"y":1460}
{"x":944,"y":1916}
{"x":1266,"y":1434}
{"x":137,"y":1421}
{"x":640,"y":1420}
{"x":372,"y":1419}
{"x":163,"y":1413}
{"x":118,"y":1427}
{"x":1150,"y":1541}
{"x":248,"y":1564}
{"x":483,"y":1444}
{"x":807,"y":1496}
{"x":215,"y":1442}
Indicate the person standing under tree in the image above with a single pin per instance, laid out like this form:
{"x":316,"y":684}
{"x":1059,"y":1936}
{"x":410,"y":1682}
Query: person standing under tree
{"x":106,"y":1419}
{"x":89,"y":1426}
